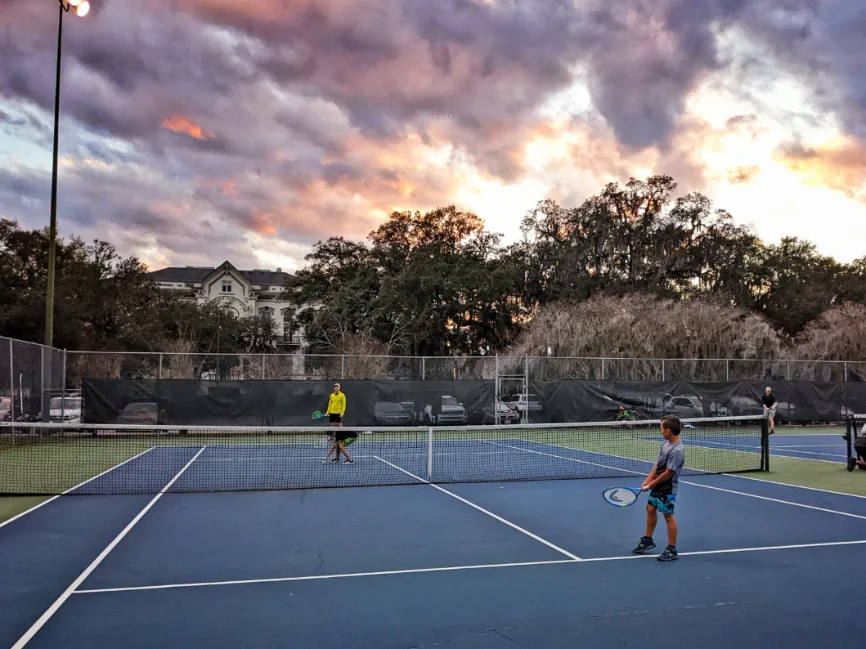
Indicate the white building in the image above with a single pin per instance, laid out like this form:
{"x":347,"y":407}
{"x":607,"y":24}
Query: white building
{"x":245,"y":292}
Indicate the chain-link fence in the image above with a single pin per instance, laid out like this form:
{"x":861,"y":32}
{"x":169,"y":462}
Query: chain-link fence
{"x":29,"y":370}
{"x":30,"y":374}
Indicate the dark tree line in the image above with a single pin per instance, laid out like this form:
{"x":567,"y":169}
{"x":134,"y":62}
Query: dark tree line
{"x":437,"y":283}
{"x":108,"y":303}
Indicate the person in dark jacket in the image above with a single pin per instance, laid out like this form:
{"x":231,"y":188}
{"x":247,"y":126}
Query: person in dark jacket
{"x":769,"y":401}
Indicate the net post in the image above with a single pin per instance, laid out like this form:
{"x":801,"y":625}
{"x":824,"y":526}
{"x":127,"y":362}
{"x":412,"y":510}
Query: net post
{"x":765,"y":444}
{"x":850,"y":433}
{"x":430,"y":452}
{"x":63,"y":390}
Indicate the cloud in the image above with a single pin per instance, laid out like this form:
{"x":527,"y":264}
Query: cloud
{"x":196,"y":127}
{"x":840,"y":165}
{"x":181,"y":124}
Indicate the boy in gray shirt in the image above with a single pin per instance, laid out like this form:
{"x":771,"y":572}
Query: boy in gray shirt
{"x":662,"y":483}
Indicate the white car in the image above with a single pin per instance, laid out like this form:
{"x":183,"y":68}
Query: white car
{"x":450,"y":412}
{"x":523,"y":403}
{"x":65,"y":409}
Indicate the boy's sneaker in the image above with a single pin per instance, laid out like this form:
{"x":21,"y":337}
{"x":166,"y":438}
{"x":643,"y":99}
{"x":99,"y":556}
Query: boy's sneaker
{"x":852,"y":462}
{"x":645,"y":545}
{"x":670,"y":554}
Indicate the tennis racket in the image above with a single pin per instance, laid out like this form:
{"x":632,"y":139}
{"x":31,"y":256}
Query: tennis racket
{"x":317,"y":415}
{"x":621,"y":496}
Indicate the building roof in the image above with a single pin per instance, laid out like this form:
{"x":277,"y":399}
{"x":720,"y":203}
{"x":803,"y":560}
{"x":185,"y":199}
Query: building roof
{"x":194,"y":274}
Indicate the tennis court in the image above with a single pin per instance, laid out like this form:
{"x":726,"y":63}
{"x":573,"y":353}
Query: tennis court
{"x":485,"y":538}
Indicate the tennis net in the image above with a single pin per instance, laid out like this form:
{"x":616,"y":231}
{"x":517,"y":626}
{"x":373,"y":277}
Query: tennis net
{"x":48,"y":458}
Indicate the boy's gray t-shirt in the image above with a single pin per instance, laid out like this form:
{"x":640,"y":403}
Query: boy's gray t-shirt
{"x":671,"y":456}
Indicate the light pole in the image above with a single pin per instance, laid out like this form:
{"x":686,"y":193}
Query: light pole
{"x":82,"y":8}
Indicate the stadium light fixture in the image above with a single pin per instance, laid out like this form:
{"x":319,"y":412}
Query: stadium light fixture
{"x":82,"y":8}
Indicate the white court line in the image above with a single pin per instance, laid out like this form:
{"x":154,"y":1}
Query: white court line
{"x":71,"y":489}
{"x":33,"y":630}
{"x":795,"y":486}
{"x":784,"y":453}
{"x":808,"y":446}
{"x":693,"y":484}
{"x":481,"y":509}
{"x":382,"y":573}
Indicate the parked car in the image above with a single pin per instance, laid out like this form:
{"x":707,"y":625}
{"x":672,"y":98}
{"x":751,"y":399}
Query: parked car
{"x":487,"y":415}
{"x":450,"y":412}
{"x":523,"y":403}
{"x":505,"y":415}
{"x":686,"y":406}
{"x":388,"y":413}
{"x":66,"y":409}
{"x":141,"y":412}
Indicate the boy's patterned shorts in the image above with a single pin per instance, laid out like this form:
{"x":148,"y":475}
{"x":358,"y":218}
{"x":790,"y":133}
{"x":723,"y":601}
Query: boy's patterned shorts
{"x":665,"y":503}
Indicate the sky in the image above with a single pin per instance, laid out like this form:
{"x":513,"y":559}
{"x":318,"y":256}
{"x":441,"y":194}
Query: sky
{"x":195,"y":131}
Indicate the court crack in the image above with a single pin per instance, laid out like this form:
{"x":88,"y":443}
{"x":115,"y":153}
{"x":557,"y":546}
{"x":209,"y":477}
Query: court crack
{"x":444,"y":644}
{"x":321,"y":561}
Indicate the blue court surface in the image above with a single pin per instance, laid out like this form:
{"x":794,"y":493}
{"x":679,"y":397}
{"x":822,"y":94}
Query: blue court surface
{"x":489,"y":565}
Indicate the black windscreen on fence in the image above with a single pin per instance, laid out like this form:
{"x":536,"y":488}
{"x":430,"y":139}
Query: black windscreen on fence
{"x":286,"y":403}
{"x":401,"y":403}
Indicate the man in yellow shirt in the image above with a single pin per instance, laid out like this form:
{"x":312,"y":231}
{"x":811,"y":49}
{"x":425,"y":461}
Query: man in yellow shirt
{"x":335,"y":412}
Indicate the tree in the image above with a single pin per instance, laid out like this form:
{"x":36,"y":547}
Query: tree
{"x":851,"y":282}
{"x":838,"y":334}
{"x":644,"y":326}
{"x":793,"y":284}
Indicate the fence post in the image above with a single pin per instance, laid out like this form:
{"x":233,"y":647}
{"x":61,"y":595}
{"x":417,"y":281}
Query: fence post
{"x":63,"y":391}
{"x":159,"y":375}
{"x":845,"y":371}
{"x":496,"y":391}
{"x":788,"y":366}
{"x":342,"y":367}
{"x":12,"y":382}
{"x":46,"y":414}
{"x":602,"y":368}
{"x":423,"y":368}
{"x":663,"y":369}
{"x":727,"y":369}
{"x":263,"y":365}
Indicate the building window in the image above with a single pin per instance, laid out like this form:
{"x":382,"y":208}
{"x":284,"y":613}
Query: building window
{"x":227,"y":286}
{"x":266,"y":312}
{"x":289,"y":334}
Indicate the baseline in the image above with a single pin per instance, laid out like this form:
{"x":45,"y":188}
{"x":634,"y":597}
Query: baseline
{"x":629,"y":557}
